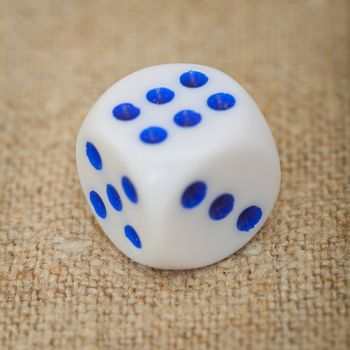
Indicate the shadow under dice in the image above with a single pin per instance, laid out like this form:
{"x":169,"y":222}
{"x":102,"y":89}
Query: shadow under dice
{"x":179,"y":165}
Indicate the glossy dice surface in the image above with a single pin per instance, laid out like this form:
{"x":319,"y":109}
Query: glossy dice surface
{"x":179,"y":165}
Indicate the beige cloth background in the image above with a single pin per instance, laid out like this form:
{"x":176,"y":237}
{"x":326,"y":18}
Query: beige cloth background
{"x":64,"y":285}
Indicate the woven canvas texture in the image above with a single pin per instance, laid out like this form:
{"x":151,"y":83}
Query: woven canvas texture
{"x":63,"y":285}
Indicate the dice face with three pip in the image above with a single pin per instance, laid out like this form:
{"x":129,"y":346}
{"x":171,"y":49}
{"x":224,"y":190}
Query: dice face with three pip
{"x":178,"y":165}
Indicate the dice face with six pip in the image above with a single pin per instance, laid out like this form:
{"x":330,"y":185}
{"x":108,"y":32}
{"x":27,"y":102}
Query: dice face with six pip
{"x":178,"y":165}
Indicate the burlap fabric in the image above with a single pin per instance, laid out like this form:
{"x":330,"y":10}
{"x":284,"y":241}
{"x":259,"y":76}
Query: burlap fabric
{"x":65,"y":286}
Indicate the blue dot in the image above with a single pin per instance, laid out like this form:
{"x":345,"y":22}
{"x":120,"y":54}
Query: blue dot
{"x":114,"y":198}
{"x":132,"y":235}
{"x":193,"y":79}
{"x":221,"y":207}
{"x":193,"y":194}
{"x":221,"y":101}
{"x":98,"y":204}
{"x":129,"y":189}
{"x":126,"y":111}
{"x":187,"y":118}
{"x":160,"y":95}
{"x":249,"y":218}
{"x":93,"y":156}
{"x":153,"y":134}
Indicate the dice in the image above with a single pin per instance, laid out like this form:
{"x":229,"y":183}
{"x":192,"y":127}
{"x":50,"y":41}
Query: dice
{"x":178,"y":165}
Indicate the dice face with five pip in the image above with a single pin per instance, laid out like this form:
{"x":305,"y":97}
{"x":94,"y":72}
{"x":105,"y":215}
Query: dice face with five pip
{"x":179,"y":165}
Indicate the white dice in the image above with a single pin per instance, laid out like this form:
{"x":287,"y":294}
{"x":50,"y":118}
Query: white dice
{"x":179,"y":165}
